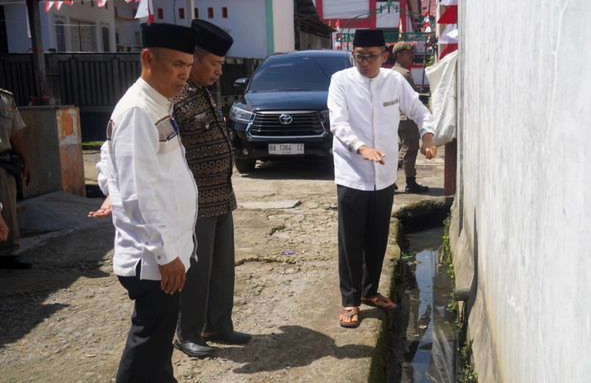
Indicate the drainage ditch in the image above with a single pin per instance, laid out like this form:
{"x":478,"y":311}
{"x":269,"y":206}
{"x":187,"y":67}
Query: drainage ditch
{"x":422,"y":330}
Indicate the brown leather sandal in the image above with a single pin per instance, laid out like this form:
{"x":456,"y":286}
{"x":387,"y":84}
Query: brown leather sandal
{"x":378,"y":301}
{"x":349,"y":317}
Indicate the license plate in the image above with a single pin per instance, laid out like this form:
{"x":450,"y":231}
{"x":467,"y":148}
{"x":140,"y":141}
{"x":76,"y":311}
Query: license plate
{"x":286,"y":148}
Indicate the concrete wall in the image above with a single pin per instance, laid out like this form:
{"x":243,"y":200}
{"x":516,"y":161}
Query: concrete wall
{"x":53,"y":142}
{"x":523,"y":207}
{"x":246,"y":23}
{"x":17,"y":25}
{"x":283,"y":25}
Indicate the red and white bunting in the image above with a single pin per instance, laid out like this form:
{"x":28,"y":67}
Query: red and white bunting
{"x":48,"y":5}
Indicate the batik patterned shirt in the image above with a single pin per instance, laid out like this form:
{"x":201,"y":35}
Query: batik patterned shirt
{"x":209,"y":149}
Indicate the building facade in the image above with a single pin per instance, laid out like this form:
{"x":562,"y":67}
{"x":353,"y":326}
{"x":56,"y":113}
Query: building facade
{"x":81,"y":27}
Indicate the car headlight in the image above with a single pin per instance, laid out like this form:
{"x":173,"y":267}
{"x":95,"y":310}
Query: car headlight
{"x":240,"y":114}
{"x":325,"y":117}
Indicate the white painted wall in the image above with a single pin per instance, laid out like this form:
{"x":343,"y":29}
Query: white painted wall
{"x":16,"y":26}
{"x":16,"y":20}
{"x":526,"y":128}
{"x":283,"y":25}
{"x":246,"y":23}
{"x":170,"y":9}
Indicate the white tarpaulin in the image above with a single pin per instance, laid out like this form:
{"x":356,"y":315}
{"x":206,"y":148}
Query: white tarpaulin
{"x":449,"y":35}
{"x":344,"y":9}
{"x":442,"y":78}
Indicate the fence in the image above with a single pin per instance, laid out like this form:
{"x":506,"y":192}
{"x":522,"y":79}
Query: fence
{"x":94,"y":82}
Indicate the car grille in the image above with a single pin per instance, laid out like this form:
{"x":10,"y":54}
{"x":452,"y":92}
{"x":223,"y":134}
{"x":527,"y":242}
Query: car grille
{"x":303,"y":124}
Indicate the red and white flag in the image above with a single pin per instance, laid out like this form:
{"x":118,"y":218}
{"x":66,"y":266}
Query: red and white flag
{"x":101,"y":3}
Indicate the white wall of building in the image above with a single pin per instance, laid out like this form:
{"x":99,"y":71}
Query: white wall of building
{"x":246,"y":23}
{"x":16,"y":26}
{"x":71,"y":16}
{"x":283,"y":25}
{"x":524,"y":172}
{"x":170,"y":11}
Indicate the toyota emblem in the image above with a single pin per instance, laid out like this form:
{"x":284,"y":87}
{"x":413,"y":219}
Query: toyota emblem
{"x":285,"y":119}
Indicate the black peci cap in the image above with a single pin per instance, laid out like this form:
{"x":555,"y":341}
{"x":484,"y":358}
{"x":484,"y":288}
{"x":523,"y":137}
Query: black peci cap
{"x":365,"y":38}
{"x":176,"y":37}
{"x":212,"y":38}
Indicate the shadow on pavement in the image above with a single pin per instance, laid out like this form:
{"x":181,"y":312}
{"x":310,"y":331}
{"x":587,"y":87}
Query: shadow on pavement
{"x":305,"y":347}
{"x":68,"y":248}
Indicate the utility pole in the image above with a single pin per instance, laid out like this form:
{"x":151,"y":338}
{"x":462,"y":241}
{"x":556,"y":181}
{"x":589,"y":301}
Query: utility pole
{"x":42,"y":89}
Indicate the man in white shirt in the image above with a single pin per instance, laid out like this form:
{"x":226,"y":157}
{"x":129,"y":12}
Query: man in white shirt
{"x":365,"y":104}
{"x":154,"y":201}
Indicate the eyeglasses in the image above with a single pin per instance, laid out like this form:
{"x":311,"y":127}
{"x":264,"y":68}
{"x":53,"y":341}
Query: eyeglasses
{"x":370,"y":58}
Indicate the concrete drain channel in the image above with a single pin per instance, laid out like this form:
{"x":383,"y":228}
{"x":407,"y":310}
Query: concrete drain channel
{"x":422,"y":330}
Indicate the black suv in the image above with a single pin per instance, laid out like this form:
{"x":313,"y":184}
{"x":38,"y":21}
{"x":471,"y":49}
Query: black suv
{"x":283,"y":111}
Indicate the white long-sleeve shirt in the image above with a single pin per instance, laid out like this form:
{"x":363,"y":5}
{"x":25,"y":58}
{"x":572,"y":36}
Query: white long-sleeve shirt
{"x":152,"y":190}
{"x":366,"y":111}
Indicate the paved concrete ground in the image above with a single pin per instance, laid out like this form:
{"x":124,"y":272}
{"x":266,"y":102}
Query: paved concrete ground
{"x":66,"y":320}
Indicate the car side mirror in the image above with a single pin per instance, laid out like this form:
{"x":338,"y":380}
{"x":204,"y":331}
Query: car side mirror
{"x":241,"y":82}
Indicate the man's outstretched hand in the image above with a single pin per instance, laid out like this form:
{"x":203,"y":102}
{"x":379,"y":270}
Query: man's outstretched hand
{"x":104,"y":211}
{"x":428,"y":147}
{"x":371,"y":154}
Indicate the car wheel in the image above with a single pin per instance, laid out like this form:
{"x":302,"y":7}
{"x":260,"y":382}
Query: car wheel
{"x":244,"y":166}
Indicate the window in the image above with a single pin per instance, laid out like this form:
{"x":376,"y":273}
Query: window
{"x":296,"y":73}
{"x":210,"y":13}
{"x":225,"y":12}
{"x":196,"y":13}
{"x":181,"y":13}
{"x":83,"y":36}
{"x":160,"y":13}
{"x":106,"y":39}
{"x":60,"y":36}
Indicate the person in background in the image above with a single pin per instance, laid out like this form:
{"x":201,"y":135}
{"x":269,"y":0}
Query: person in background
{"x":365,"y":103}
{"x":208,"y":298}
{"x":12,"y":139}
{"x":154,"y":201}
{"x":408,"y":133}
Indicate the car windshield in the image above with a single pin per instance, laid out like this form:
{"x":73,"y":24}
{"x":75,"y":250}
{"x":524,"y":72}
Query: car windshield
{"x":288,"y":72}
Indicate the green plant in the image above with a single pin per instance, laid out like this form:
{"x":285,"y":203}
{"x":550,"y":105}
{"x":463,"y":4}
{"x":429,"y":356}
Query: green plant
{"x":406,"y":257}
{"x":466,"y":373}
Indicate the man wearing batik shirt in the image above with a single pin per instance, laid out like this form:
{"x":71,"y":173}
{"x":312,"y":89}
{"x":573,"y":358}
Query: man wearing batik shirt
{"x":365,"y":103}
{"x":208,"y":298}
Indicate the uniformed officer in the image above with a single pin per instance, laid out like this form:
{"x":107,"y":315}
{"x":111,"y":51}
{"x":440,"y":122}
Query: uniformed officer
{"x":403,"y":53}
{"x":12,"y":129}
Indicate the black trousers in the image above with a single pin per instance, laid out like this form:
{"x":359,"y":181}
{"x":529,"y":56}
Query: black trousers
{"x":207,"y":299}
{"x":364,"y":224}
{"x":148,"y":352}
